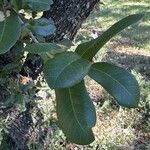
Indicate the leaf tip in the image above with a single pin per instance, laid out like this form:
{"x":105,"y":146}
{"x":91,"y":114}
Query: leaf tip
{"x":138,"y":16}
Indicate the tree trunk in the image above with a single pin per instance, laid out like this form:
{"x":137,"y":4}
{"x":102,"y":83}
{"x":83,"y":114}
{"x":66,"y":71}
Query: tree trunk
{"x":68,"y":15}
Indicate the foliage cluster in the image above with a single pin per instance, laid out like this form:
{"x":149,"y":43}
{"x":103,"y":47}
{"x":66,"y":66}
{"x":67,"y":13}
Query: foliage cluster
{"x":64,"y":70}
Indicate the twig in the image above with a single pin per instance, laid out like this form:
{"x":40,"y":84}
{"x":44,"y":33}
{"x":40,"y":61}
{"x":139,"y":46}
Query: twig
{"x":30,"y":33}
{"x":35,"y":40}
{"x":33,"y":37}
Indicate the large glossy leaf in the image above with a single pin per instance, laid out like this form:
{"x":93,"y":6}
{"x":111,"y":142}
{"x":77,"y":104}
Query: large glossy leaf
{"x":42,"y":26}
{"x":65,"y":70}
{"x":40,"y":48}
{"x":89,"y":49}
{"x":10,"y":30}
{"x":52,"y":48}
{"x":76,"y":113}
{"x":118,"y":82}
{"x":37,"y":5}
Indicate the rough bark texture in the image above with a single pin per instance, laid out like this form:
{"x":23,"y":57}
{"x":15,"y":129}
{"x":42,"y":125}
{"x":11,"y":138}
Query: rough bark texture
{"x":68,"y":15}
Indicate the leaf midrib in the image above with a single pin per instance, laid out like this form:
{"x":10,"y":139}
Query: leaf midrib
{"x":3,"y":30}
{"x":74,"y":112}
{"x":64,"y":69}
{"x":113,"y":79}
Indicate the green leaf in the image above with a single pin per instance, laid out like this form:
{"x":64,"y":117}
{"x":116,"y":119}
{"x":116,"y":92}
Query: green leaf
{"x":52,"y":48}
{"x":65,"y":70}
{"x":42,"y":26}
{"x":118,"y":82}
{"x":76,"y":113}
{"x":17,"y":4}
{"x":89,"y":49}
{"x":11,"y":67}
{"x":10,"y":30}
{"x":19,"y":101}
{"x":65,"y":43}
{"x":37,"y":5}
{"x":40,"y":48}
{"x":1,"y":2}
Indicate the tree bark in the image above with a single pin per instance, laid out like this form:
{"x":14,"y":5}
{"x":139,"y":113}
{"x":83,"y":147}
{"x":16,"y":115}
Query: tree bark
{"x":68,"y":16}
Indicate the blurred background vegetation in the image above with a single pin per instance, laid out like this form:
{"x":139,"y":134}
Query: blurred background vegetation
{"x":117,"y":128}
